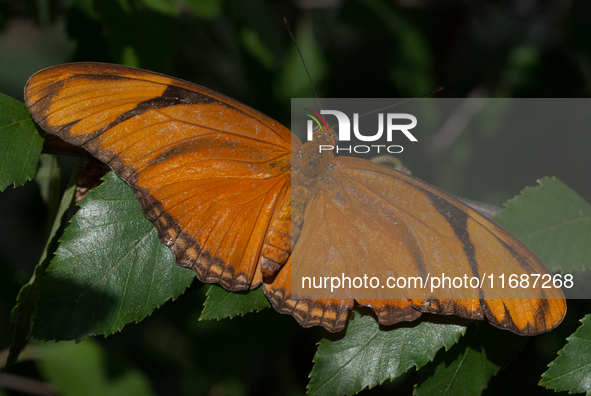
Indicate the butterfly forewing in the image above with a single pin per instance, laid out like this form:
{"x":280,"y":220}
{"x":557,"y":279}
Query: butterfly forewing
{"x":208,"y":171}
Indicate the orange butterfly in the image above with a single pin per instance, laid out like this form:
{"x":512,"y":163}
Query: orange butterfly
{"x":215,"y":177}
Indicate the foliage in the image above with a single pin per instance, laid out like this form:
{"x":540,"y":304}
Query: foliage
{"x":571,"y":369}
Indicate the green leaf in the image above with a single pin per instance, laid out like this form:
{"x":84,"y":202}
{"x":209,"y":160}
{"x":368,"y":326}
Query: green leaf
{"x":28,"y":296}
{"x":413,"y":69}
{"x":257,"y":50}
{"x":571,"y":370}
{"x":261,"y":33}
{"x":554,"y":222}
{"x":467,"y":367}
{"x":165,"y":7}
{"x":85,"y":369}
{"x":109,"y":270}
{"x":368,"y":355}
{"x":292,"y":79}
{"x":48,"y":177}
{"x":205,"y":9}
{"x":20,"y":143}
{"x":224,"y":304}
{"x":123,"y":31}
{"x":87,"y":7}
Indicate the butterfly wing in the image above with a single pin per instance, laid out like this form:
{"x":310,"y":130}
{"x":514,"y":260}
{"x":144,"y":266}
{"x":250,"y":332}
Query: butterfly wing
{"x":207,"y":170}
{"x":366,"y":218}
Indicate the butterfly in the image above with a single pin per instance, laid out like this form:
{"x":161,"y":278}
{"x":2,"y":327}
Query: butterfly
{"x":240,"y":200}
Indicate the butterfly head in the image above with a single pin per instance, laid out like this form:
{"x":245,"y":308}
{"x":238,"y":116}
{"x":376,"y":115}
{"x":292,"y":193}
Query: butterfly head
{"x":317,"y":154}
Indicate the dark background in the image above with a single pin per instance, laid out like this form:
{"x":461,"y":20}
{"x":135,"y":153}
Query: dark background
{"x":354,"y":49}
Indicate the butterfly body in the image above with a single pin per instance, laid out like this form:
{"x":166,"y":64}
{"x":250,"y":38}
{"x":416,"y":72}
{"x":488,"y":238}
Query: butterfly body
{"x":242,"y":201}
{"x":308,"y":162}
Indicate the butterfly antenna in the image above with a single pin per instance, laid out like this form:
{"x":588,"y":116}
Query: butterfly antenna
{"x":287,"y":25}
{"x":404,"y":101}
